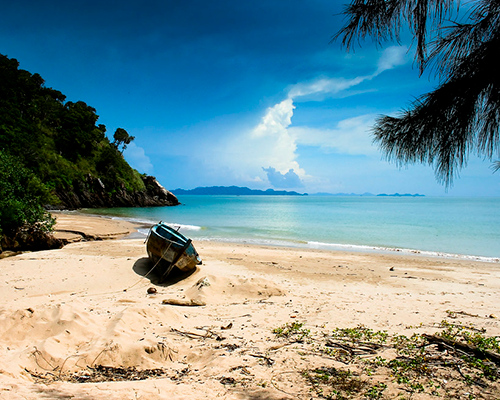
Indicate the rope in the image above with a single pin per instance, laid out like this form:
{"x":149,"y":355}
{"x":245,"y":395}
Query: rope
{"x":151,"y":270}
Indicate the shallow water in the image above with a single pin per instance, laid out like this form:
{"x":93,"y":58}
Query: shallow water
{"x":446,"y":226}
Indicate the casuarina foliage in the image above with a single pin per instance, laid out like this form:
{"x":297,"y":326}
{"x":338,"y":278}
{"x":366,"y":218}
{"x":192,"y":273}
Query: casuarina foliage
{"x":462,"y":115}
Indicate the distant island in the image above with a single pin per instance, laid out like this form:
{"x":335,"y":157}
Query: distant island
{"x":402,"y":195}
{"x":370,"y":194}
{"x":235,"y":191}
{"x":342,"y":194}
{"x":244,"y":191}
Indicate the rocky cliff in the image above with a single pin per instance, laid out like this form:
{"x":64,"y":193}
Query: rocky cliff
{"x":92,"y":193}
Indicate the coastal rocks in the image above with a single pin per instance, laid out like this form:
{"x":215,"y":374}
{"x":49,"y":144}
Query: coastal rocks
{"x":91,"y":193}
{"x":30,"y":240}
{"x":156,"y":194}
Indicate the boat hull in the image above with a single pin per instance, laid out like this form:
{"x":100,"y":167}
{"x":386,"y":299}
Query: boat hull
{"x":167,"y":248}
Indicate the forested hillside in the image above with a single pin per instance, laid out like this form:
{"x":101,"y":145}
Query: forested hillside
{"x":53,"y":153}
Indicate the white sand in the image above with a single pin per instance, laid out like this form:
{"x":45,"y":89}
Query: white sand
{"x":62,"y":311}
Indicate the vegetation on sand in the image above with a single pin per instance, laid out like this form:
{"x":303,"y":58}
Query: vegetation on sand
{"x":456,"y":362}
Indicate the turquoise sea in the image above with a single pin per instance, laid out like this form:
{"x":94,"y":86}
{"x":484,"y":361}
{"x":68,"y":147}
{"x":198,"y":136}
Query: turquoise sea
{"x":443,"y":226}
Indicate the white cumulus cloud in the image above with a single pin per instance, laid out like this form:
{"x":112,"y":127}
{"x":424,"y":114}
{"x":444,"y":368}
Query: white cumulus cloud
{"x":283,"y":181}
{"x":276,"y":120}
{"x":271,"y":146}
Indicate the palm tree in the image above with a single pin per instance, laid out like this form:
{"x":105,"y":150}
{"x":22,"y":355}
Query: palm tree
{"x":462,"y":115}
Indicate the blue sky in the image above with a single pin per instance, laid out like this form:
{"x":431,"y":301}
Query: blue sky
{"x":247,"y":93}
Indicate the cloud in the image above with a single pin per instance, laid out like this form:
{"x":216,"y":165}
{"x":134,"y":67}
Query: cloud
{"x":323,"y":86}
{"x":270,"y":143}
{"x":317,"y":89}
{"x":274,"y":141}
{"x":391,"y":58}
{"x":283,"y":181}
{"x":276,"y":120}
{"x":138,"y":159}
{"x":350,"y":136}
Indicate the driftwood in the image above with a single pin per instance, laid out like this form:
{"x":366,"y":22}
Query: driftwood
{"x":184,"y":302}
{"x":192,"y":335}
{"x":481,"y":354}
{"x":269,"y":361}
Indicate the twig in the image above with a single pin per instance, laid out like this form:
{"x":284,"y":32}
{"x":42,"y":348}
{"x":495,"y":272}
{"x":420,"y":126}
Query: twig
{"x":279,"y":346}
{"x":269,"y":361}
{"x":361,"y":347}
{"x":38,"y":352}
{"x":97,"y":356}
{"x":281,"y":390}
{"x":64,"y":362}
{"x":467,"y":348}
{"x":193,"y":335}
{"x":477,"y":382}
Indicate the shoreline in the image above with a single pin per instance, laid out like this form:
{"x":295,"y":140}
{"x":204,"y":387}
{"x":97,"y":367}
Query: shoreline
{"x":66,"y":311}
{"x":74,"y":226}
{"x":137,"y":224}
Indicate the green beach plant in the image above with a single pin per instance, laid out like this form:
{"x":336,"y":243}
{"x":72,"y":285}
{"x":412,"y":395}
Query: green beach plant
{"x":292,"y":330}
{"x":458,"y":360}
{"x":333,"y":383}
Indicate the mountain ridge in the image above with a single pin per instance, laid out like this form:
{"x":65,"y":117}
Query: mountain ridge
{"x":234,"y":191}
{"x":245,"y":191}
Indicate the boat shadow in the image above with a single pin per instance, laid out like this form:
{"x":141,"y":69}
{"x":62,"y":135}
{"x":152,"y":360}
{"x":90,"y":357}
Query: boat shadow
{"x":143,"y":268}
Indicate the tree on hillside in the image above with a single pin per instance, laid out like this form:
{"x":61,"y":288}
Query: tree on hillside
{"x":78,"y":135}
{"x":21,"y":197}
{"x":462,"y":115}
{"x":122,"y":138}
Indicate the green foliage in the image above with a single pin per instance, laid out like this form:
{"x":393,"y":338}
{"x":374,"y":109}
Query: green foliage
{"x":292,"y":330}
{"x":21,"y":197}
{"x":122,"y":138}
{"x":115,"y":172}
{"x":476,"y":339}
{"x":376,"y":391}
{"x":471,"y":336}
{"x":361,"y":333}
{"x":59,"y":142}
{"x":333,"y":383}
{"x":460,"y":41}
{"x":369,"y":364}
{"x":78,"y":136}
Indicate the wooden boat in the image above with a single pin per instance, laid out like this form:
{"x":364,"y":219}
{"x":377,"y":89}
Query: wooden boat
{"x":167,"y":248}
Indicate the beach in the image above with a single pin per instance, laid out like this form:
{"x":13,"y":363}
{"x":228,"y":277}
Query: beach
{"x":65,"y":312}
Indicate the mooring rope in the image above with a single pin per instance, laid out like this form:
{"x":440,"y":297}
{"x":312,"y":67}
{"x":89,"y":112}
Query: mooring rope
{"x":154,"y":266}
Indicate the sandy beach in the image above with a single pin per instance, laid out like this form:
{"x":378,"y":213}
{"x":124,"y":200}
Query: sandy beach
{"x":65,"y":312}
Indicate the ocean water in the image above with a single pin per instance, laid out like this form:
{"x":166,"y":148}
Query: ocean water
{"x":442,"y":226}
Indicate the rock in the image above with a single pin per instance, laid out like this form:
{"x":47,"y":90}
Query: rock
{"x":30,"y":240}
{"x":152,"y":290}
{"x":92,"y":193}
